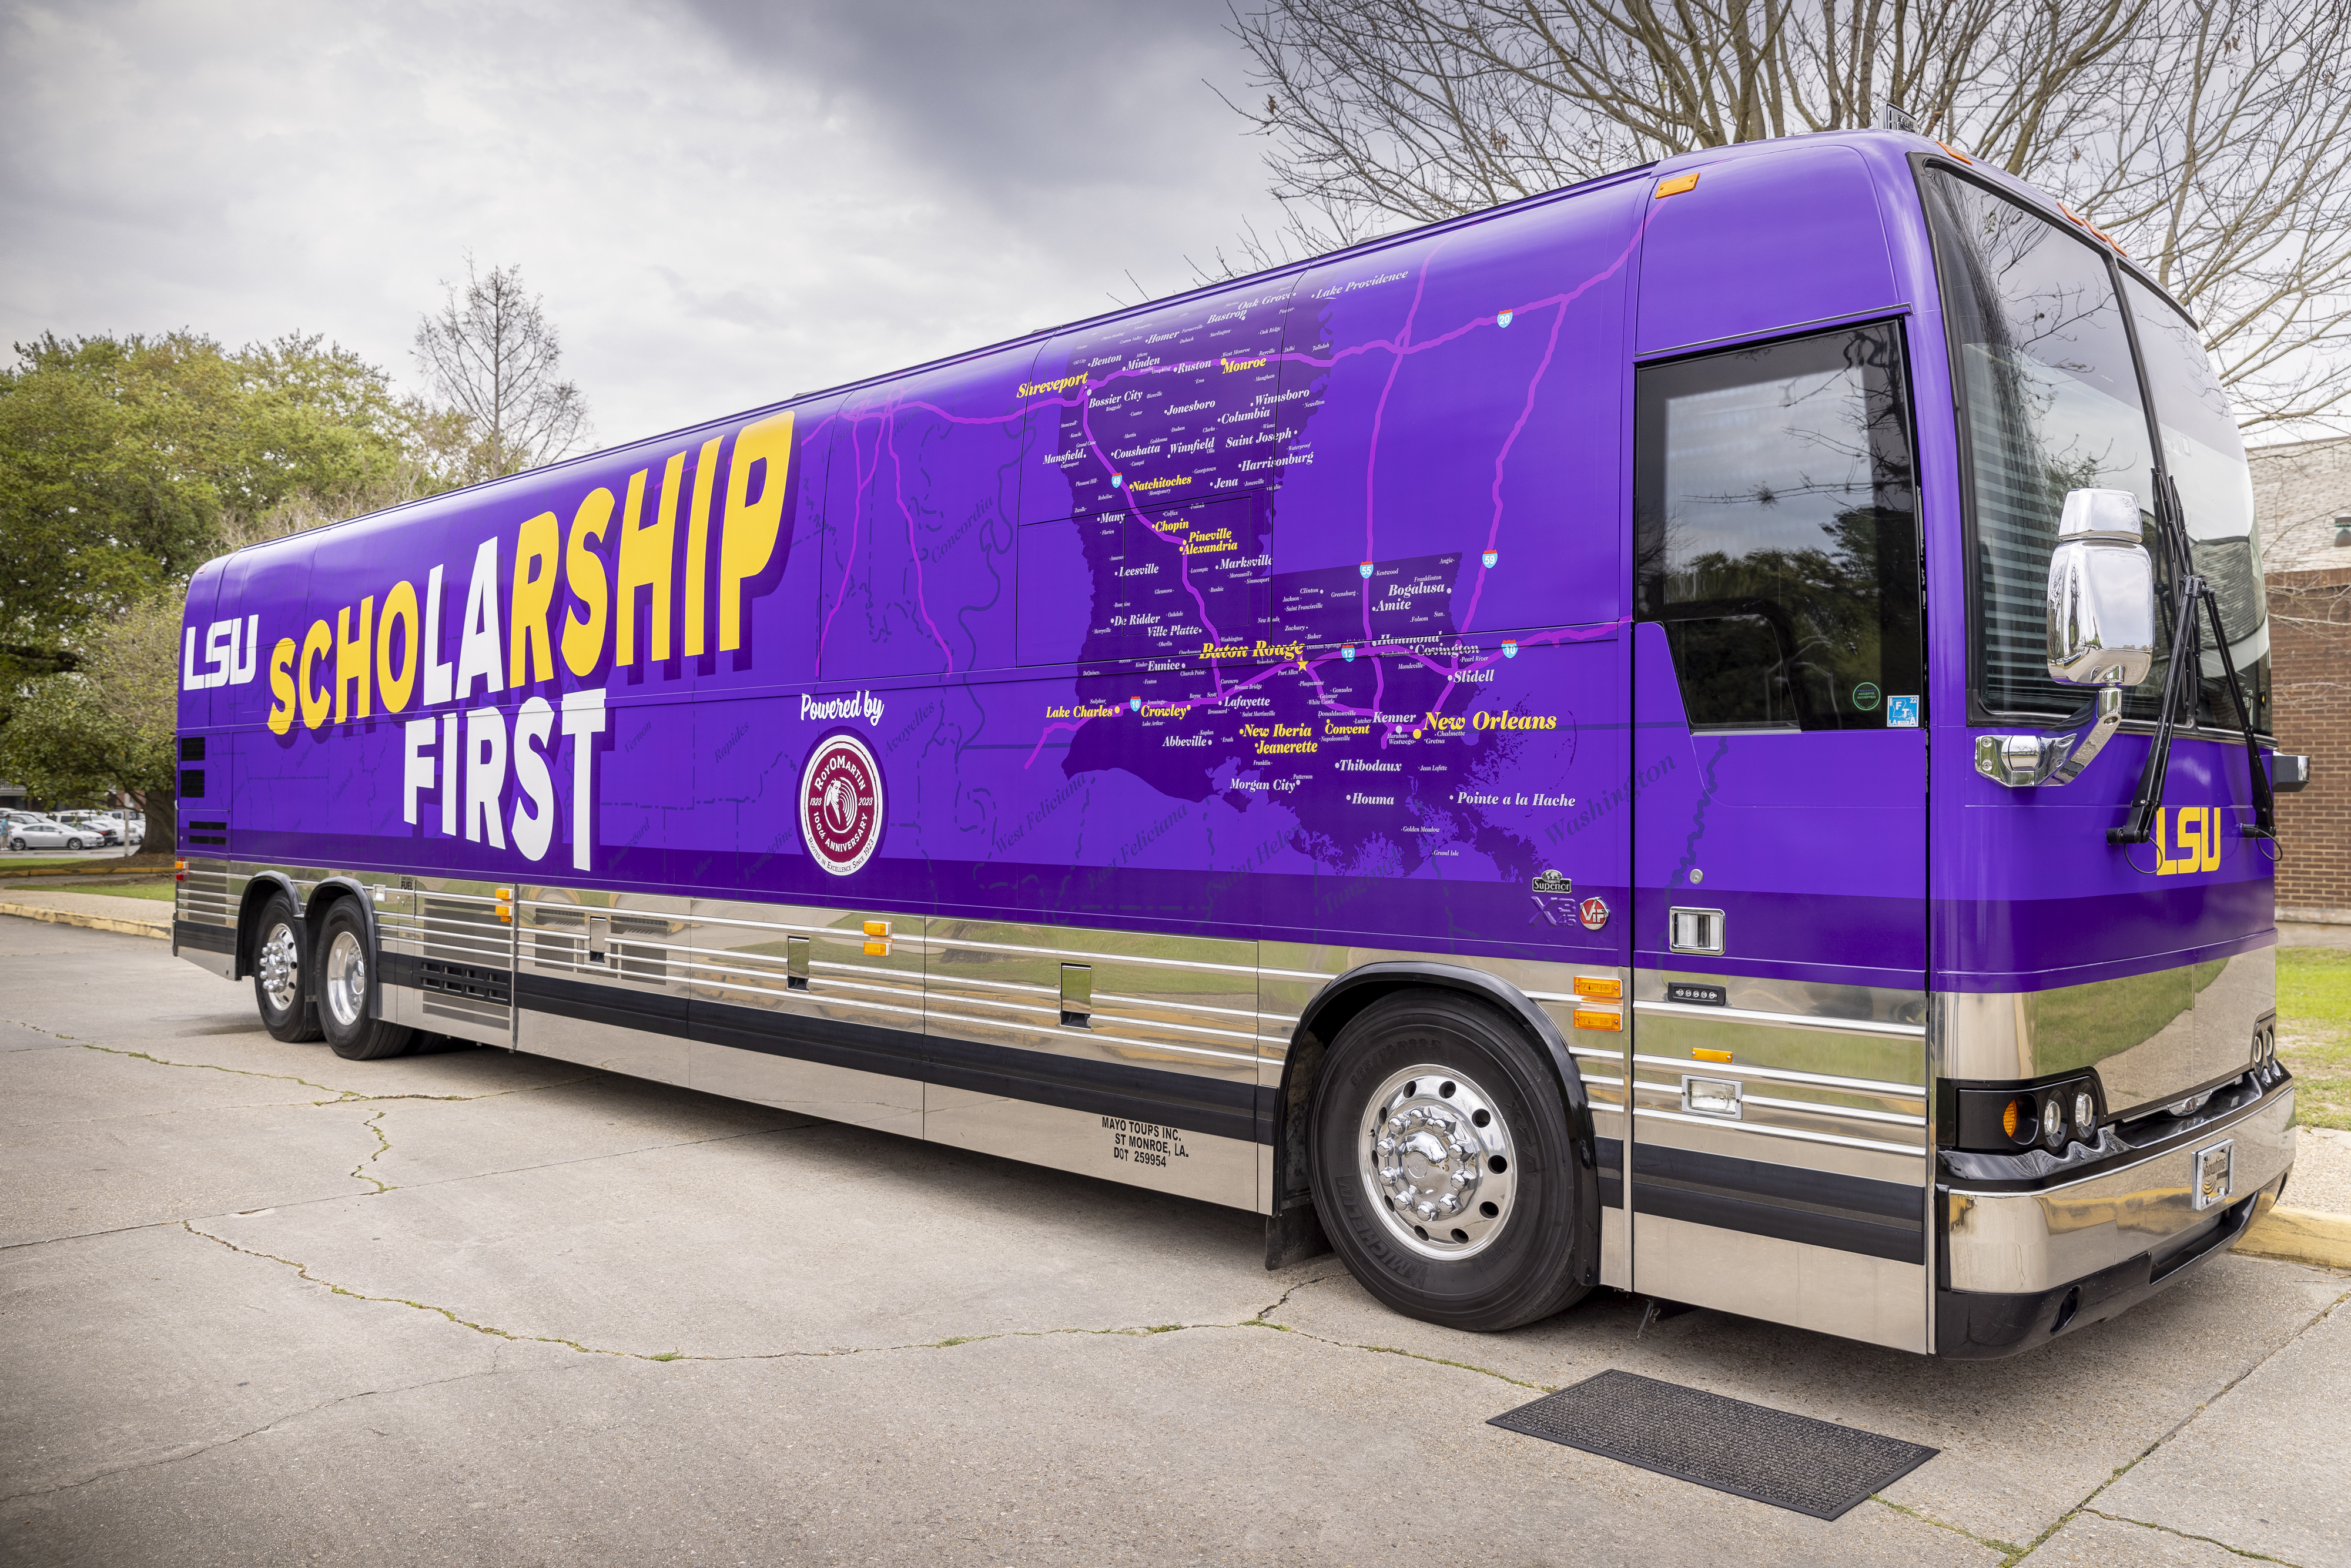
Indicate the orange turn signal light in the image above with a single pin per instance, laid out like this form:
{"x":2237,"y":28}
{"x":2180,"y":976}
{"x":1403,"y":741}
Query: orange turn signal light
{"x":1598,"y":985}
{"x":1608,"y":1019}
{"x":506,"y":905}
{"x":1678,"y":184}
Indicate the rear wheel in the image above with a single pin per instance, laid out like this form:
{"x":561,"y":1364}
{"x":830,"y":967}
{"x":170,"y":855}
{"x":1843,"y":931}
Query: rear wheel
{"x":281,"y":974}
{"x":1442,"y":1165}
{"x":347,"y":990}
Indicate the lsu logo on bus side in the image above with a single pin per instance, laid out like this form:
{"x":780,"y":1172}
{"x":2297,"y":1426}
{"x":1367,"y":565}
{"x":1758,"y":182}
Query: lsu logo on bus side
{"x":2199,"y":841}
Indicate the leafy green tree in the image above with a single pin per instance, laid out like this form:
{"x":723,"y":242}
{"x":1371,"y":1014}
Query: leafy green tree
{"x":125,"y":463}
{"x":109,"y":724}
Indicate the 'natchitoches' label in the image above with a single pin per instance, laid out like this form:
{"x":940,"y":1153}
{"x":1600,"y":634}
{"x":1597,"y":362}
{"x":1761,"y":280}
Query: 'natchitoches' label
{"x":841,"y":804}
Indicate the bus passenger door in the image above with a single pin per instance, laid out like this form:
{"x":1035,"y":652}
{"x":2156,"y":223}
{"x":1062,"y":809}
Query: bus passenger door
{"x":1777,"y":1158}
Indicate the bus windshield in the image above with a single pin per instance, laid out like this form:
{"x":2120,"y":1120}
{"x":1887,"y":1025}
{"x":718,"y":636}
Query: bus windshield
{"x":2205,"y":456}
{"x":2052,"y":404}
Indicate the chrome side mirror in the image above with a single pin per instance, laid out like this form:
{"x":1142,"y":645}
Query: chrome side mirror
{"x":2101,"y":633}
{"x":2101,"y":594}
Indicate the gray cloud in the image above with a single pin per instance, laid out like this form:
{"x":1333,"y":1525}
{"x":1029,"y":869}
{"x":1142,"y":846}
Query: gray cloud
{"x":722,"y":204}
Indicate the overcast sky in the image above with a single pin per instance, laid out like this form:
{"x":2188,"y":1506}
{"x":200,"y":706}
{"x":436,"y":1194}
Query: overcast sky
{"x":723,"y":202}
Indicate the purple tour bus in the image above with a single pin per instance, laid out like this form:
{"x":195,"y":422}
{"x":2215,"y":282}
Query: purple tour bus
{"x":1432,"y":745}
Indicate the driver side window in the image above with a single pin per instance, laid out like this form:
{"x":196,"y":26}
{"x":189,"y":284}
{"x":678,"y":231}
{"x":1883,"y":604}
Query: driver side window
{"x":1776,"y":532}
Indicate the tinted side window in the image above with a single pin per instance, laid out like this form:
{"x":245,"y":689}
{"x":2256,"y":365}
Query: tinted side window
{"x":1776,"y":531}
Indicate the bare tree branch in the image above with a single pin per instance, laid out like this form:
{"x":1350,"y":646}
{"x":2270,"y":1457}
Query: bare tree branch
{"x":491,"y":353}
{"x":2212,"y":138}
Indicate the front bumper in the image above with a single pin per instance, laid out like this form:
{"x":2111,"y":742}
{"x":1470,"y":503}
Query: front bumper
{"x":2022,"y":1263}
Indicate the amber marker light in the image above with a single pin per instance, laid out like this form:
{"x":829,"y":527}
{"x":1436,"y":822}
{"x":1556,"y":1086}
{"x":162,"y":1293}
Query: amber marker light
{"x":506,"y":905}
{"x":1608,"y":1019}
{"x":1700,"y":1054}
{"x":179,"y":870}
{"x":1955,"y":154}
{"x":877,"y":939}
{"x":1678,"y":184}
{"x":1599,"y":986}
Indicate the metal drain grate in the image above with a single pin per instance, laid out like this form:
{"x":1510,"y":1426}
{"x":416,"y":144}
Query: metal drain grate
{"x":1789,"y":1461}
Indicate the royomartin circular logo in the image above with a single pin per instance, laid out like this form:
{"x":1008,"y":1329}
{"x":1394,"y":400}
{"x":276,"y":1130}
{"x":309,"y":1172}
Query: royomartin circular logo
{"x":841,"y":804}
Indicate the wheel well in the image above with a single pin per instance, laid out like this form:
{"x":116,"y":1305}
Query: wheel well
{"x":1344,"y":999}
{"x":257,"y":892}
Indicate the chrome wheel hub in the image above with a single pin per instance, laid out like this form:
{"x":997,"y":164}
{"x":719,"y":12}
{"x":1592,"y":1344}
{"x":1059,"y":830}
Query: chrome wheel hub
{"x":1438,"y":1162}
{"x":280,"y":965}
{"x":346,"y":979}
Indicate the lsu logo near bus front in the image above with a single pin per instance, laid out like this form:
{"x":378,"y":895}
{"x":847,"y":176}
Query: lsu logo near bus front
{"x":2191,"y":844}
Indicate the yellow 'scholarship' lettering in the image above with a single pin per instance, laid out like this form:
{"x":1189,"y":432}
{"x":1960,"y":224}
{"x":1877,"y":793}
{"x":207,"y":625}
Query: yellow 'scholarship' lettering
{"x":648,"y":557}
{"x":351,"y":660}
{"x":395,"y":687}
{"x":583,"y":574}
{"x":316,"y":701}
{"x":697,"y":545}
{"x":748,"y":540}
{"x":281,"y":686}
{"x":530,"y":650}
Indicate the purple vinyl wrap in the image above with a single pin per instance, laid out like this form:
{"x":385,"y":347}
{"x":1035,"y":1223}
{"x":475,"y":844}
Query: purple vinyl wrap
{"x":1295,"y":609}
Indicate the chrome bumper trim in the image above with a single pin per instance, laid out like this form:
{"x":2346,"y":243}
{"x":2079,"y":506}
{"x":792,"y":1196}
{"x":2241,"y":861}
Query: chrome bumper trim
{"x":2013,"y":1243}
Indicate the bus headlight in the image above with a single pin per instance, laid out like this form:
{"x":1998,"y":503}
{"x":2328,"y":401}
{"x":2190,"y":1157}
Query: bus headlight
{"x":2011,"y":1118}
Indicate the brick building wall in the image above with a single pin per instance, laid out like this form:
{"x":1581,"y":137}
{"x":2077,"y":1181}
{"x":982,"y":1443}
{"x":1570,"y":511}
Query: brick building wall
{"x":2309,"y":677}
{"x":2299,"y":492}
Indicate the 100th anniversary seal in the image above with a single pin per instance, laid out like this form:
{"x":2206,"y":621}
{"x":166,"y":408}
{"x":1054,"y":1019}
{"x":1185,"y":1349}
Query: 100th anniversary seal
{"x":841,"y":804}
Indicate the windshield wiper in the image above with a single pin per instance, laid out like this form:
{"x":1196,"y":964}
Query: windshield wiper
{"x":2185,"y":666}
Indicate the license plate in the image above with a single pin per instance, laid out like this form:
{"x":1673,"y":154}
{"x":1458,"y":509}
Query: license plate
{"x":2215,"y":1173}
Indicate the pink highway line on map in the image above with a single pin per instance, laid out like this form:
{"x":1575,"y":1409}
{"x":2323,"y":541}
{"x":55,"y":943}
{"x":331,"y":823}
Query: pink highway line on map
{"x":913,"y":552}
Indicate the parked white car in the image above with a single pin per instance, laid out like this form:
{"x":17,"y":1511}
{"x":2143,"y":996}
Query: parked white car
{"x":27,"y":832}
{"x":106,"y":832}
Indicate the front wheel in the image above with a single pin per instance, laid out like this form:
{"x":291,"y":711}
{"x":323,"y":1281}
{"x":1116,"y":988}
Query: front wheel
{"x":1443,"y":1167}
{"x":346,"y":989}
{"x":73,"y":843}
{"x":281,"y":974}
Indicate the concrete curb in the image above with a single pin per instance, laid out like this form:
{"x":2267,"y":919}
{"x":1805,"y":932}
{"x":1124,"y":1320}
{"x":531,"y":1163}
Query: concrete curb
{"x":157,"y":928}
{"x":2301,"y":1236}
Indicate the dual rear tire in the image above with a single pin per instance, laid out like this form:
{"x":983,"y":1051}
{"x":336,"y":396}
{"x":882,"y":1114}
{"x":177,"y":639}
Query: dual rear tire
{"x":308,"y":989}
{"x":1444,"y":1169}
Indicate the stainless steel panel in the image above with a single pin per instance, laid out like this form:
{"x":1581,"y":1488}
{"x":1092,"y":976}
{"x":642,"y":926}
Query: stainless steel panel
{"x":811,"y":1088}
{"x":1851,"y":1077}
{"x":456,"y":922}
{"x":612,"y":1047}
{"x":2016,"y":1242}
{"x":1165,"y":1159}
{"x":1829,"y":1078}
{"x":2150,"y":1036}
{"x":1790,"y":1283}
{"x":1749,"y":1140}
{"x":742,"y":954}
{"x":1616,"y":1248}
{"x":206,"y":895}
{"x":1177,"y":1003}
{"x":1814,"y":999}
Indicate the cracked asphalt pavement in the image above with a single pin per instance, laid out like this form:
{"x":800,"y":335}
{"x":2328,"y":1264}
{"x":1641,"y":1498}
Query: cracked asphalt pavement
{"x":262,"y":1305}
